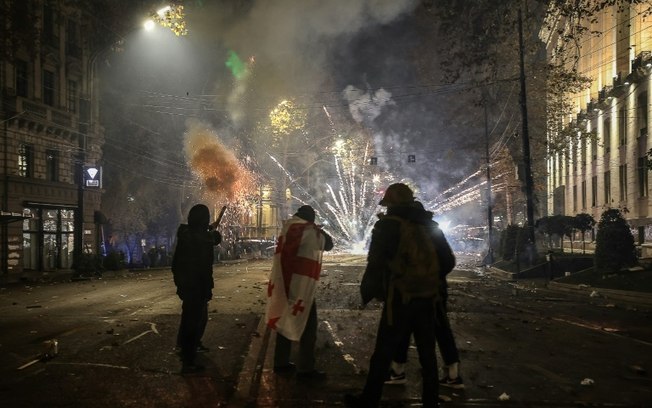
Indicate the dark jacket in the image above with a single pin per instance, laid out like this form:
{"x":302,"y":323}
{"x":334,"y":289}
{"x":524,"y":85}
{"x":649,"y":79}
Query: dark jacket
{"x":192,"y":263}
{"x":384,"y":244}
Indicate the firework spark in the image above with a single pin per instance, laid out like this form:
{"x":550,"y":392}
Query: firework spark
{"x":222,"y":174}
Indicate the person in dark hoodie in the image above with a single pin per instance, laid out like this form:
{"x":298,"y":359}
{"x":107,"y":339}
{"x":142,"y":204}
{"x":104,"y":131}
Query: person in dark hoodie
{"x":192,"y":267}
{"x":443,"y":331}
{"x":400,"y":318}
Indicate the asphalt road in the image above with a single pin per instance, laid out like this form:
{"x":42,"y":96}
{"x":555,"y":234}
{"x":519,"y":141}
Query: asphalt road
{"x":116,"y":335}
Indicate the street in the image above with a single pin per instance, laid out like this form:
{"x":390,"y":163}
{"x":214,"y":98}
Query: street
{"x":520,"y":345}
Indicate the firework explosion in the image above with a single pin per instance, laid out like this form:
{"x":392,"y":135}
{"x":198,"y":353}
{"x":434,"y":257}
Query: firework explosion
{"x":223,"y":176}
{"x":350,"y":203}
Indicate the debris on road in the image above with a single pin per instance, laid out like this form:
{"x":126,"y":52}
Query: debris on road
{"x":503,"y":397}
{"x":587,"y":381}
{"x":151,"y":330}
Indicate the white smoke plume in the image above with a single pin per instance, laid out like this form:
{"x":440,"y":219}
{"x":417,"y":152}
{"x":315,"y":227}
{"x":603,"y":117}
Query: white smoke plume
{"x":366,"y":106}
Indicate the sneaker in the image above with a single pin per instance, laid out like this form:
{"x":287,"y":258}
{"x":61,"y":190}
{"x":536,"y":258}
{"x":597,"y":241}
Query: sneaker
{"x":394,"y":378}
{"x":456,"y":383}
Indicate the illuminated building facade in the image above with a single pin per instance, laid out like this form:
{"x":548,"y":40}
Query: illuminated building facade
{"x":609,"y":168}
{"x":51,"y":136}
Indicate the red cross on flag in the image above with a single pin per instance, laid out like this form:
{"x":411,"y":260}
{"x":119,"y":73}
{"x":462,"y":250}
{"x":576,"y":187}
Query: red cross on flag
{"x":295,"y":274}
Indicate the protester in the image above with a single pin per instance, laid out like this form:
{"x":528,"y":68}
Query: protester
{"x":192,"y":266}
{"x":291,"y":308}
{"x":408,"y":308}
{"x":443,"y":332}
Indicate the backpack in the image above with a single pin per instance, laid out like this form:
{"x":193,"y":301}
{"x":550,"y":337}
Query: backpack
{"x":415,"y":267}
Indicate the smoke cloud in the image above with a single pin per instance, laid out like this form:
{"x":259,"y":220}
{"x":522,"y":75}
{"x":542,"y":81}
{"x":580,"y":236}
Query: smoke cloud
{"x":215,"y":164}
{"x":366,"y":106}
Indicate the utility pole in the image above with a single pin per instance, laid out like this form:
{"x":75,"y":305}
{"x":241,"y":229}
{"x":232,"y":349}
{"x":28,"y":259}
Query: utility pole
{"x":526,"y":137}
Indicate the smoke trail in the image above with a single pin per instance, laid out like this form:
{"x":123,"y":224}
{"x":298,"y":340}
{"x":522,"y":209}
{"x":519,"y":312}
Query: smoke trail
{"x":366,"y":106}
{"x":216,"y":165}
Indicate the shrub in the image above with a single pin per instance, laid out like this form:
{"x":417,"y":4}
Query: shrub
{"x":614,"y":248}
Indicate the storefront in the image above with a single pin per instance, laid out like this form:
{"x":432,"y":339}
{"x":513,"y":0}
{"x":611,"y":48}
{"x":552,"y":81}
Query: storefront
{"x":48,"y":237}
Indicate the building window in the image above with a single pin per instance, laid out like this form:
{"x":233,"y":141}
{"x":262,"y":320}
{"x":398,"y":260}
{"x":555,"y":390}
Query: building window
{"x":583,"y":194}
{"x":52,"y":165}
{"x":622,"y":126}
{"x":575,"y":199}
{"x":622,"y":181}
{"x":642,"y":176}
{"x":25,"y":160}
{"x":607,"y":188}
{"x":21,"y":78}
{"x":48,"y":238}
{"x":48,"y":87}
{"x":594,"y":191}
{"x":72,"y":96}
{"x":594,"y":148}
{"x":72,"y":39}
{"x":50,"y":34}
{"x":642,"y":114}
{"x":606,"y":135}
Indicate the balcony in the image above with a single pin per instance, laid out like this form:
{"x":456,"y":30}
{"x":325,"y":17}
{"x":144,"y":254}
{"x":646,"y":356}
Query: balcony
{"x":42,"y":117}
{"x":42,"y":112}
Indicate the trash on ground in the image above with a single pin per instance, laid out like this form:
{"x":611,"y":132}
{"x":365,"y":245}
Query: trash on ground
{"x":594,"y":294}
{"x":587,"y":381}
{"x":638,"y":369}
{"x":503,"y":397}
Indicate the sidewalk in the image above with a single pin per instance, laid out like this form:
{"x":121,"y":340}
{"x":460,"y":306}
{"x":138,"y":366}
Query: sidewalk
{"x":580,"y":289}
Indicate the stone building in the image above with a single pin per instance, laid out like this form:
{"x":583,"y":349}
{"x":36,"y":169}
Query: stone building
{"x":609,"y":169}
{"x":51,"y":138}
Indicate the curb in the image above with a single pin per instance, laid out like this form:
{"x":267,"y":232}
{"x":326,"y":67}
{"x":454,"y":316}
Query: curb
{"x":640,"y":298}
{"x":246,"y":394}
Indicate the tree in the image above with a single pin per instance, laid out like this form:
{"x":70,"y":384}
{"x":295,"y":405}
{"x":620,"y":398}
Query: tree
{"x":614,"y":243}
{"x":544,"y":226}
{"x":513,"y":242}
{"x":584,"y":222}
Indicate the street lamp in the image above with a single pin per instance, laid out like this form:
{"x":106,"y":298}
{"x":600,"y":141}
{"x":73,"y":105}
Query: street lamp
{"x":90,"y":119}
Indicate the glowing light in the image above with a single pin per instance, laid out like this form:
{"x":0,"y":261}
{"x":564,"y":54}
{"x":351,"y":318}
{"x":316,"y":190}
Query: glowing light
{"x":349,"y":208}
{"x":149,"y":25}
{"x":161,"y":12}
{"x":172,"y":17}
{"x":235,"y":64}
{"x":222,"y":174}
{"x":285,"y":118}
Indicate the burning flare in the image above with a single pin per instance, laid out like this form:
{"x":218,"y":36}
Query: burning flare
{"x":215,"y":164}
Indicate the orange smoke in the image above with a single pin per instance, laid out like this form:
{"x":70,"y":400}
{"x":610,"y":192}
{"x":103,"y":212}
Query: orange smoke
{"x":215,"y":164}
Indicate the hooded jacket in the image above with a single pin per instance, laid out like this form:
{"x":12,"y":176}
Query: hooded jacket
{"x":192,"y":263}
{"x":384,"y":244}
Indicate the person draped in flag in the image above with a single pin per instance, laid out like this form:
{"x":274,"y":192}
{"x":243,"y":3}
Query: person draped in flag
{"x":291,"y":309}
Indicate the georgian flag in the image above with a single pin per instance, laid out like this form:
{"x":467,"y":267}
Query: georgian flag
{"x":295,"y":273}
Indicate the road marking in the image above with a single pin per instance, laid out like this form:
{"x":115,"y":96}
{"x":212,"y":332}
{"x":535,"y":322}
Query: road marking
{"x":151,"y":330}
{"x":347,"y":357}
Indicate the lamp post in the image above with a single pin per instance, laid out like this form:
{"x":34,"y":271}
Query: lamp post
{"x":89,"y":119}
